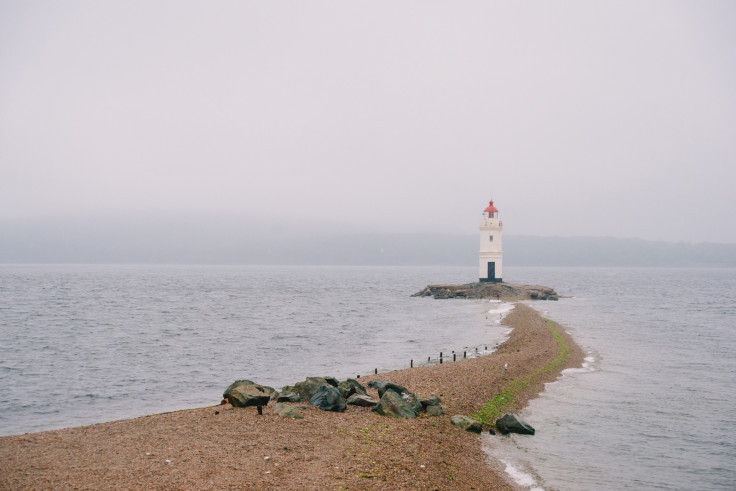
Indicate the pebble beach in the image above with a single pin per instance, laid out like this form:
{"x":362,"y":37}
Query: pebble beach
{"x":221,"y":447}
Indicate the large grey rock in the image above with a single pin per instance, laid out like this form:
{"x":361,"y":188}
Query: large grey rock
{"x":332,"y":381}
{"x":394,"y":404}
{"x":384,"y":386}
{"x":412,"y":399}
{"x":361,"y":400}
{"x":430,"y":401}
{"x":309,"y":387}
{"x":434,"y":411}
{"x":286,"y":411}
{"x":289,"y":397}
{"x":393,"y":386}
{"x":287,"y":388}
{"x":378,"y":383}
{"x":512,"y":423}
{"x":388,"y":385}
{"x":237,"y":383}
{"x":248,"y":395}
{"x":467,"y":423}
{"x":272,"y":393}
{"x":328,"y":398}
{"x":349,"y":387}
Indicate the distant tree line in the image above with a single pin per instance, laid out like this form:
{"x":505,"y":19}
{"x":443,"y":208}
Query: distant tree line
{"x":229,"y":240}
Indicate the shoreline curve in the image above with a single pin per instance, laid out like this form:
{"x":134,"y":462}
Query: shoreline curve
{"x":223,"y":447}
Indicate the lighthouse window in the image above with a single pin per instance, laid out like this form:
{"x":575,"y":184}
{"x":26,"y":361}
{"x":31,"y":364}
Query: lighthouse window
{"x":491,"y":238}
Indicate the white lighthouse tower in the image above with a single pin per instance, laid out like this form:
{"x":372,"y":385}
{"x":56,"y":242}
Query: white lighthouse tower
{"x":490,"y":255}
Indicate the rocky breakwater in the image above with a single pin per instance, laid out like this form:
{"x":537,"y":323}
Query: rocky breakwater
{"x":329,"y":394}
{"x":500,"y":291}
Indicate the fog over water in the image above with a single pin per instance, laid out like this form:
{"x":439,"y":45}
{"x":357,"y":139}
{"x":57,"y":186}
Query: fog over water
{"x":578,"y":118}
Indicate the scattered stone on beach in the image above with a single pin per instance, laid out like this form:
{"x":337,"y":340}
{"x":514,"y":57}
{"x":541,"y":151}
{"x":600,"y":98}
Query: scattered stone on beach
{"x":430,"y":401}
{"x":512,"y":423}
{"x":328,"y":398}
{"x":237,"y":383}
{"x":394,"y":404}
{"x":466,"y":423}
{"x":310,"y":386}
{"x":434,"y":411}
{"x":272,"y":393}
{"x":383,"y":386}
{"x":349,"y":387}
{"x":248,"y":395}
{"x":289,"y":397}
{"x":361,"y":400}
{"x":286,"y":411}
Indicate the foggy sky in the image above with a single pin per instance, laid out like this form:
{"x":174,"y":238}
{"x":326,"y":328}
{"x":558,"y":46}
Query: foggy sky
{"x":577,"y":117}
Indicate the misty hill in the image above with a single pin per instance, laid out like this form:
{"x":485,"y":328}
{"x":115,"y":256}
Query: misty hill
{"x":218,"y":239}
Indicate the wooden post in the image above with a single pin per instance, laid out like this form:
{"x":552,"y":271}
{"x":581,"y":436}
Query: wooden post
{"x":376,"y":371}
{"x":411,"y":364}
{"x":465,"y":354}
{"x":260,"y":410}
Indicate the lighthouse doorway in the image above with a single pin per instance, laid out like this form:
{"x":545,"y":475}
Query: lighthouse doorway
{"x":492,"y":271}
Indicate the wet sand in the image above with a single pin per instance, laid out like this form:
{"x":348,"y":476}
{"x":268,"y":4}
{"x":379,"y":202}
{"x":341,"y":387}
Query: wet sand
{"x":223,"y":447}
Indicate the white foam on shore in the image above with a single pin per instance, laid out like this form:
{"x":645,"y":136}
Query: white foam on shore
{"x":520,"y":477}
{"x":586,"y":367}
{"x":498,"y":311}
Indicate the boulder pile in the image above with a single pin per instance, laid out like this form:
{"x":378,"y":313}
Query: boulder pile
{"x":245,"y":393}
{"x":330,"y":394}
{"x":501,"y":291}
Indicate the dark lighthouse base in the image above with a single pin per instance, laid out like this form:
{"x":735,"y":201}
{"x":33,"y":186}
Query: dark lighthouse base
{"x":490,"y":280}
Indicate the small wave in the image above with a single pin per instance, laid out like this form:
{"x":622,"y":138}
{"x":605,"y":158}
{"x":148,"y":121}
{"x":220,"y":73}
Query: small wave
{"x":520,"y":477}
{"x":94,"y":397}
{"x":586,"y":367}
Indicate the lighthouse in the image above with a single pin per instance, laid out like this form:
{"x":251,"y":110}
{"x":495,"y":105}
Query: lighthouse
{"x":490,"y":255}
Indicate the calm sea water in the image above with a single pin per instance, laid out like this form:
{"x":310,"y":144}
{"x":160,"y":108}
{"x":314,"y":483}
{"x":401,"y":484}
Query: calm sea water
{"x":87,"y":344}
{"x":654,"y":408}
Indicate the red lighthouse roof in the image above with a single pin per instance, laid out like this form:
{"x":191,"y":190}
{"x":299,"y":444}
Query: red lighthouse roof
{"x":490,"y":208}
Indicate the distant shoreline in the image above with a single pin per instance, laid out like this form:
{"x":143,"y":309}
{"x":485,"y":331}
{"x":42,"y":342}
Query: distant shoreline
{"x":357,"y":449}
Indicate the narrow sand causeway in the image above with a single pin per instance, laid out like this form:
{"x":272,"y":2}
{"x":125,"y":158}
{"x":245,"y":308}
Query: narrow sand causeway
{"x":223,"y":447}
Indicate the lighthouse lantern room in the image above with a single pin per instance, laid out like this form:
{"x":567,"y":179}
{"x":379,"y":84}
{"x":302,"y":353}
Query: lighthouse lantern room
{"x":490,"y":255}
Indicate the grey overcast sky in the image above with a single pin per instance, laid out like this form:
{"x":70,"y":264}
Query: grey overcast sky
{"x":602,"y":118}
